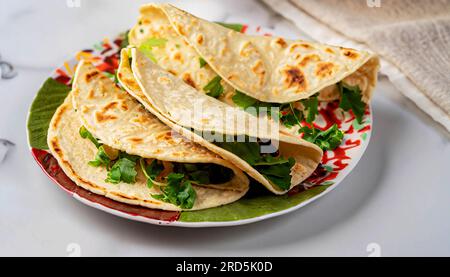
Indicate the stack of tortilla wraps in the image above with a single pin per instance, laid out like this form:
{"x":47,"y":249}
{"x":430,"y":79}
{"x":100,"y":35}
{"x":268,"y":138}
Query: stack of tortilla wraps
{"x":166,"y":138}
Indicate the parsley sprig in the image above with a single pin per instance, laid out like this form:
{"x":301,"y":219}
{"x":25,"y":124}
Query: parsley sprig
{"x":351,"y":99}
{"x":329,"y":139}
{"x":178,"y":191}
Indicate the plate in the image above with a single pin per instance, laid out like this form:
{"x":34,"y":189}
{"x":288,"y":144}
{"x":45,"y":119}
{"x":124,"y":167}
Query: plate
{"x":255,"y":206}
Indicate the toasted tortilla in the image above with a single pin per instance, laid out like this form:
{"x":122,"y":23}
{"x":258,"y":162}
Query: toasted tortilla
{"x":270,"y":69}
{"x":173,"y":101}
{"x":119,"y":121}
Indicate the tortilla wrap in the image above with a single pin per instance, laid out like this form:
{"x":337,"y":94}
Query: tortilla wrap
{"x":270,"y":69}
{"x":172,"y":101}
{"x":120,"y":122}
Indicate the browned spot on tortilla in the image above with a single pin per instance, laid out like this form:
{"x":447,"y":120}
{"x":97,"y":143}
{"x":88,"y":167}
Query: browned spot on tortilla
{"x":57,"y":117}
{"x":120,"y":96}
{"x":297,"y":56}
{"x":310,"y":58}
{"x":350,"y":53}
{"x":329,"y":50}
{"x":188,"y":80}
{"x":281,"y":42}
{"x":131,"y":84}
{"x":124,"y":196}
{"x":145,"y":21}
{"x":91,"y":94}
{"x":104,"y":117}
{"x":259,"y":70}
{"x":55,"y":146}
{"x":141,"y":119}
{"x":200,"y":39}
{"x":178,"y":57}
{"x":180,"y":30}
{"x":89,"y":76}
{"x":151,"y":202}
{"x":306,"y":46}
{"x":324,"y":69}
{"x":136,"y":140}
{"x":124,"y":106}
{"x":85,"y":109}
{"x":173,"y":72}
{"x":109,"y":106}
{"x":294,"y":77}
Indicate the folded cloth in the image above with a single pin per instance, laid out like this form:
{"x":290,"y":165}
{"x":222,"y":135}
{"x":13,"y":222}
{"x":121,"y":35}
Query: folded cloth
{"x":411,"y":36}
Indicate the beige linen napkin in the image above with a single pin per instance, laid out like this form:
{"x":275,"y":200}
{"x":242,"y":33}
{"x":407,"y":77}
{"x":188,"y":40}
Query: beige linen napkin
{"x":411,"y":36}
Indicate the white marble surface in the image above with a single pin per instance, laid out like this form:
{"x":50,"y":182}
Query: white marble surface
{"x":397,"y":196}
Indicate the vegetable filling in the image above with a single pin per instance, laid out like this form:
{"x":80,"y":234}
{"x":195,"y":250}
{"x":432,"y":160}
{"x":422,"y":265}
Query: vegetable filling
{"x":173,"y":180}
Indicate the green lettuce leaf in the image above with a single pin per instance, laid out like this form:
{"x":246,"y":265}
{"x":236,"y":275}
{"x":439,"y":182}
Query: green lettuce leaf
{"x":50,"y":96}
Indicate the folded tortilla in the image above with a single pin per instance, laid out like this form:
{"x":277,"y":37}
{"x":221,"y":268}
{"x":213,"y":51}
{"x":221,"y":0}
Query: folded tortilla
{"x":270,"y":69}
{"x":117,"y":120}
{"x":173,"y":102}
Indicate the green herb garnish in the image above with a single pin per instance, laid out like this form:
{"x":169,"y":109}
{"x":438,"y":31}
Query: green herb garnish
{"x":101,"y":158}
{"x":123,"y":170}
{"x":329,"y":139}
{"x":214,"y":88}
{"x":147,"y":47}
{"x":178,"y":191}
{"x":351,"y":99}
{"x":311,"y":108}
{"x":151,"y":171}
{"x":84,"y":133}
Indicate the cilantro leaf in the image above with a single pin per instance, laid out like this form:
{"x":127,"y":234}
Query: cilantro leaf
{"x":178,"y":192}
{"x":101,"y":158}
{"x":202,"y":62}
{"x":329,"y":139}
{"x":351,"y":99}
{"x":84,"y":133}
{"x":147,"y":47}
{"x":311,"y":108}
{"x":214,"y":88}
{"x":122,"y":170}
{"x":291,"y":116}
{"x":151,"y":171}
